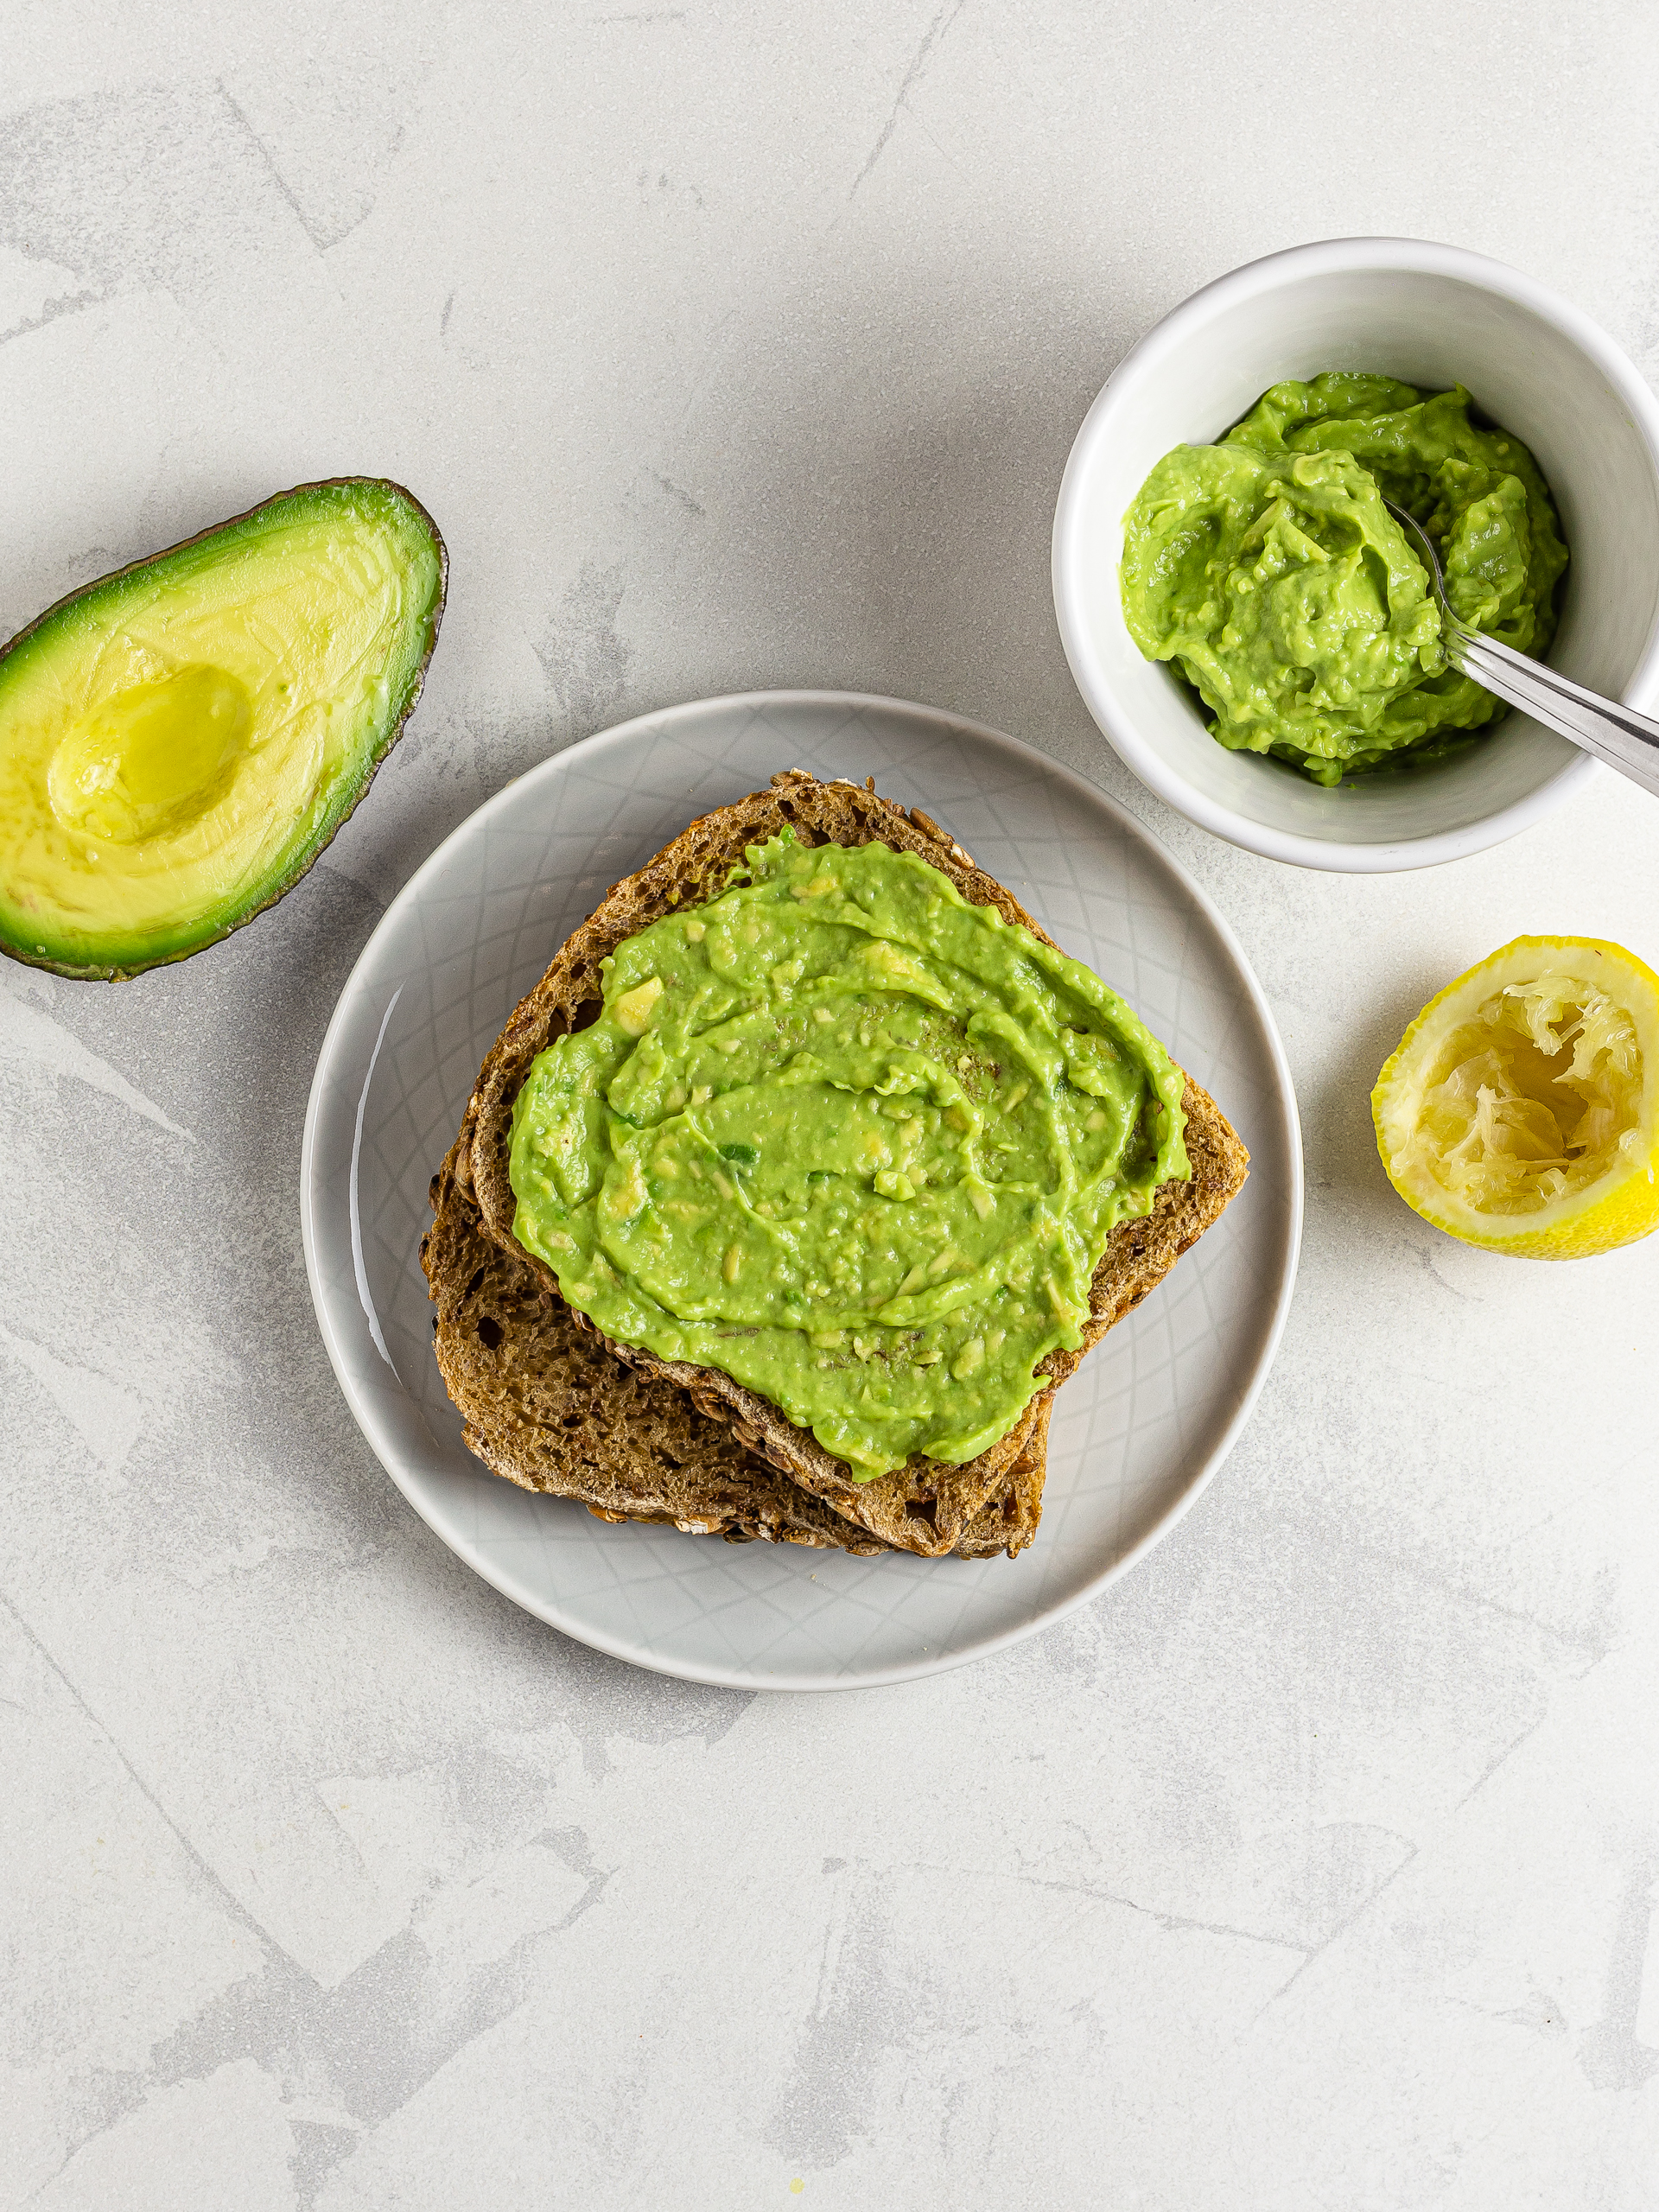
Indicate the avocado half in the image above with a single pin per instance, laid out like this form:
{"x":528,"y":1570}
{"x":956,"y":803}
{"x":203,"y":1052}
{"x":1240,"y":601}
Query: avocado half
{"x":180,"y":741}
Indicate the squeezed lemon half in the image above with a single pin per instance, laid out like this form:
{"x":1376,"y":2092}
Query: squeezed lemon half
{"x":1521,"y":1111}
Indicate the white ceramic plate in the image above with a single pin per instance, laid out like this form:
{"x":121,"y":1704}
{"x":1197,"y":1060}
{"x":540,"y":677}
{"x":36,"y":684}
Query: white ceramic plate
{"x":1136,"y":1433}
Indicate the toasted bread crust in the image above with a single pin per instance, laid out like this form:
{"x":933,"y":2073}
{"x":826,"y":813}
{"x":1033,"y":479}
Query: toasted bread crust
{"x":548,"y":1406}
{"x":926,"y":1507}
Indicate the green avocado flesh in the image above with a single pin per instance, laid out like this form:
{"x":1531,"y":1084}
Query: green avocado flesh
{"x":1269,"y":568}
{"x":855,"y":1142}
{"x":179,"y":741}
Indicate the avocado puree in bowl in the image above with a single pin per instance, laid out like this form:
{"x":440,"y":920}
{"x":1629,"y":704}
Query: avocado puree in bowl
{"x":853,"y":1141}
{"x":1269,"y":569}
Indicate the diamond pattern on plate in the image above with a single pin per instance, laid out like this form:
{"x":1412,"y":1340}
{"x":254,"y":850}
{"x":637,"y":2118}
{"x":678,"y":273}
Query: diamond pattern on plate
{"x":1148,"y":1416}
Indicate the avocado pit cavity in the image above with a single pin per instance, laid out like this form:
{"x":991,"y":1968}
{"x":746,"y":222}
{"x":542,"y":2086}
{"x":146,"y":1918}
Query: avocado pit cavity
{"x":153,"y":757}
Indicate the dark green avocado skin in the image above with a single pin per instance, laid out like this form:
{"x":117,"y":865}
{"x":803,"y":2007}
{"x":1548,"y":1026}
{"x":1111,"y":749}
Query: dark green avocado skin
{"x":125,"y":963}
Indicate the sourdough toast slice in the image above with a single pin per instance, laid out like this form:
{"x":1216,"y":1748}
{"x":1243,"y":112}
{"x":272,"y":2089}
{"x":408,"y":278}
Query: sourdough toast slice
{"x":926,"y":1507}
{"x":548,"y":1406}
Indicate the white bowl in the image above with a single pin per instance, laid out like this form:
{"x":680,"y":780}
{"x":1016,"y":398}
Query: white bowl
{"x":1434,"y":316}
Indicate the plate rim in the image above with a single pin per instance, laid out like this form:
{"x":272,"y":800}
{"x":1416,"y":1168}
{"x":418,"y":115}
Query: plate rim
{"x":658,"y":720}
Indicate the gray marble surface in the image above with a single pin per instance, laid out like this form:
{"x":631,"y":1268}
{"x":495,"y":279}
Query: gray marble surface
{"x":737,"y":344}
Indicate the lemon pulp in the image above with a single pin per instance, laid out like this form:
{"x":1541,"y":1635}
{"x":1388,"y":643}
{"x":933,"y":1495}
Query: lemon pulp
{"x":1521,"y":1109}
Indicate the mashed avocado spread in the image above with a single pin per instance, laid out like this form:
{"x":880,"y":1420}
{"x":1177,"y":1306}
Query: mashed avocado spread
{"x":1269,"y":568}
{"x":850,"y":1138}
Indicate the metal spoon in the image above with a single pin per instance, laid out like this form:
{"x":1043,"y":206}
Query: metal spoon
{"x":1617,"y":735}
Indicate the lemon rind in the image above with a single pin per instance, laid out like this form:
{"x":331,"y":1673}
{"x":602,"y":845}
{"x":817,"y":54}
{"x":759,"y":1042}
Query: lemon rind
{"x":1620,"y":1205}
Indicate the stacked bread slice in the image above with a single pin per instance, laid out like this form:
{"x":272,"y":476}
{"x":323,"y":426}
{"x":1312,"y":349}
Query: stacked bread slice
{"x":552,"y":1405}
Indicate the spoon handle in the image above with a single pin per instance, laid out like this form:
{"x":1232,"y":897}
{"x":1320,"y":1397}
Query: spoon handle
{"x":1617,"y":735}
